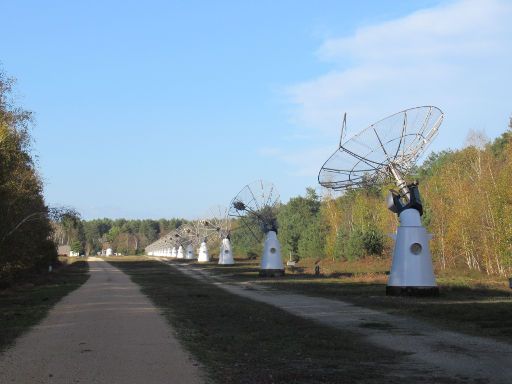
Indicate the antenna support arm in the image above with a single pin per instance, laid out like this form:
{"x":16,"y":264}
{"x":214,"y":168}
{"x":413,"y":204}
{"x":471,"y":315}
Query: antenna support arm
{"x":397,"y":204}
{"x":400,"y":181}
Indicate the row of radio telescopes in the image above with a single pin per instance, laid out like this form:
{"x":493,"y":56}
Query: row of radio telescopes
{"x":256,"y":208}
{"x":189,"y":240}
{"x":384,"y":152}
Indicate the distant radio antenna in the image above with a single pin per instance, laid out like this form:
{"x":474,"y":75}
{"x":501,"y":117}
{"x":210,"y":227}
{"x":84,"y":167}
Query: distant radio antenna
{"x":256,"y":207}
{"x":219,"y":222}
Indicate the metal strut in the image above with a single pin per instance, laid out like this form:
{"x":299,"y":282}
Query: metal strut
{"x":400,"y":181}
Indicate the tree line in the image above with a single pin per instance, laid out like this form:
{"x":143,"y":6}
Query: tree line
{"x":467,"y":203}
{"x":128,"y":237}
{"x":26,"y":220}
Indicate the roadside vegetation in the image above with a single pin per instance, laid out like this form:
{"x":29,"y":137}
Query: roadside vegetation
{"x":25,"y":304}
{"x":241,"y":341}
{"x":26,"y":221}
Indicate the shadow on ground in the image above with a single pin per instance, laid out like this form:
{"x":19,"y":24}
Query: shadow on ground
{"x":243,"y":341}
{"x":462,"y":306}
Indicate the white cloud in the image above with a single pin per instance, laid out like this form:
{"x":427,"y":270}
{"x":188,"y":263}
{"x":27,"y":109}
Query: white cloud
{"x":463,"y":28}
{"x":457,"y":56}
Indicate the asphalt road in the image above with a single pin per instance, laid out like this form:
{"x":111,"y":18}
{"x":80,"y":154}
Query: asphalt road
{"x":106,"y":331}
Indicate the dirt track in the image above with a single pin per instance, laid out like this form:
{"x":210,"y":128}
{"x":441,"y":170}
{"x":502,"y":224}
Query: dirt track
{"x":104,"y":332}
{"x":462,"y":357}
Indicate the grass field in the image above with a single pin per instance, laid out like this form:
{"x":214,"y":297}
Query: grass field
{"x":473,"y":303}
{"x":241,"y":341}
{"x":27,"y":304}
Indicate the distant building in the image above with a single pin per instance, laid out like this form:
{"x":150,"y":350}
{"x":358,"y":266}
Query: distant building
{"x":63,"y":250}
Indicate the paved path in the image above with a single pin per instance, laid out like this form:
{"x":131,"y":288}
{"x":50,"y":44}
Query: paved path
{"x":105,"y":332}
{"x":460,"y":356}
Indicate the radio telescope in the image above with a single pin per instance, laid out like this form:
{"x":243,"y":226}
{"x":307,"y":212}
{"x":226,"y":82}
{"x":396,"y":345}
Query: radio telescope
{"x":220,"y":224}
{"x":166,"y":246}
{"x":198,"y":234}
{"x":171,"y":239}
{"x":189,"y":238}
{"x":162,"y":246}
{"x":257,"y":203}
{"x":174,"y":250}
{"x":180,"y":242}
{"x":386,"y":151}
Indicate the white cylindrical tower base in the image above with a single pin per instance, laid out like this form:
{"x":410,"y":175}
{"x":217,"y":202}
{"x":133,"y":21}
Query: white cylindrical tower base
{"x":174,"y":253}
{"x":181,"y":254}
{"x":411,"y":269}
{"x":190,"y":252}
{"x":225,"y":255}
{"x":203,"y":256}
{"x":271,"y":262}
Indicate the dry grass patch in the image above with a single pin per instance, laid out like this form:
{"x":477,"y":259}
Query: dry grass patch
{"x":469,"y":302}
{"x":242,"y":341}
{"x":27,"y":304}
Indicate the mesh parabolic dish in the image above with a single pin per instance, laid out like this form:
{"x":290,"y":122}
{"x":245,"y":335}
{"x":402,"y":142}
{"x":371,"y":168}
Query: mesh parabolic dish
{"x":398,"y":140}
{"x":218,"y":221}
{"x":186,"y":234}
{"x":256,"y":206}
{"x":258,"y":199}
{"x":203,"y":230}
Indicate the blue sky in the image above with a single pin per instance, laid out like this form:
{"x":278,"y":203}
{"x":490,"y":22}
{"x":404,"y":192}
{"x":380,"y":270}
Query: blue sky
{"x":167,"y":108}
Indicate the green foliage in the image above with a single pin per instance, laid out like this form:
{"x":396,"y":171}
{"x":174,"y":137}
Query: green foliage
{"x":76,"y":246}
{"x":294,"y":220}
{"x":434,"y":162}
{"x":244,"y":242}
{"x":499,"y":145}
{"x":373,"y":241}
{"x":113,"y":233}
{"x":312,"y":240}
{"x":355,"y":246}
{"x":92,"y":236}
{"x":340,"y":244}
{"x":128,"y":237}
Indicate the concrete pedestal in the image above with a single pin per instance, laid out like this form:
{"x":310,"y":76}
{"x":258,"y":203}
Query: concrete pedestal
{"x":226,"y":256}
{"x":271,"y":262}
{"x":190,"y":252}
{"x":411,"y":270}
{"x":203,"y":256}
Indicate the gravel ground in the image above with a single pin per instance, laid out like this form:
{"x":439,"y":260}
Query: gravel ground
{"x":106,"y":331}
{"x":463,"y":357}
